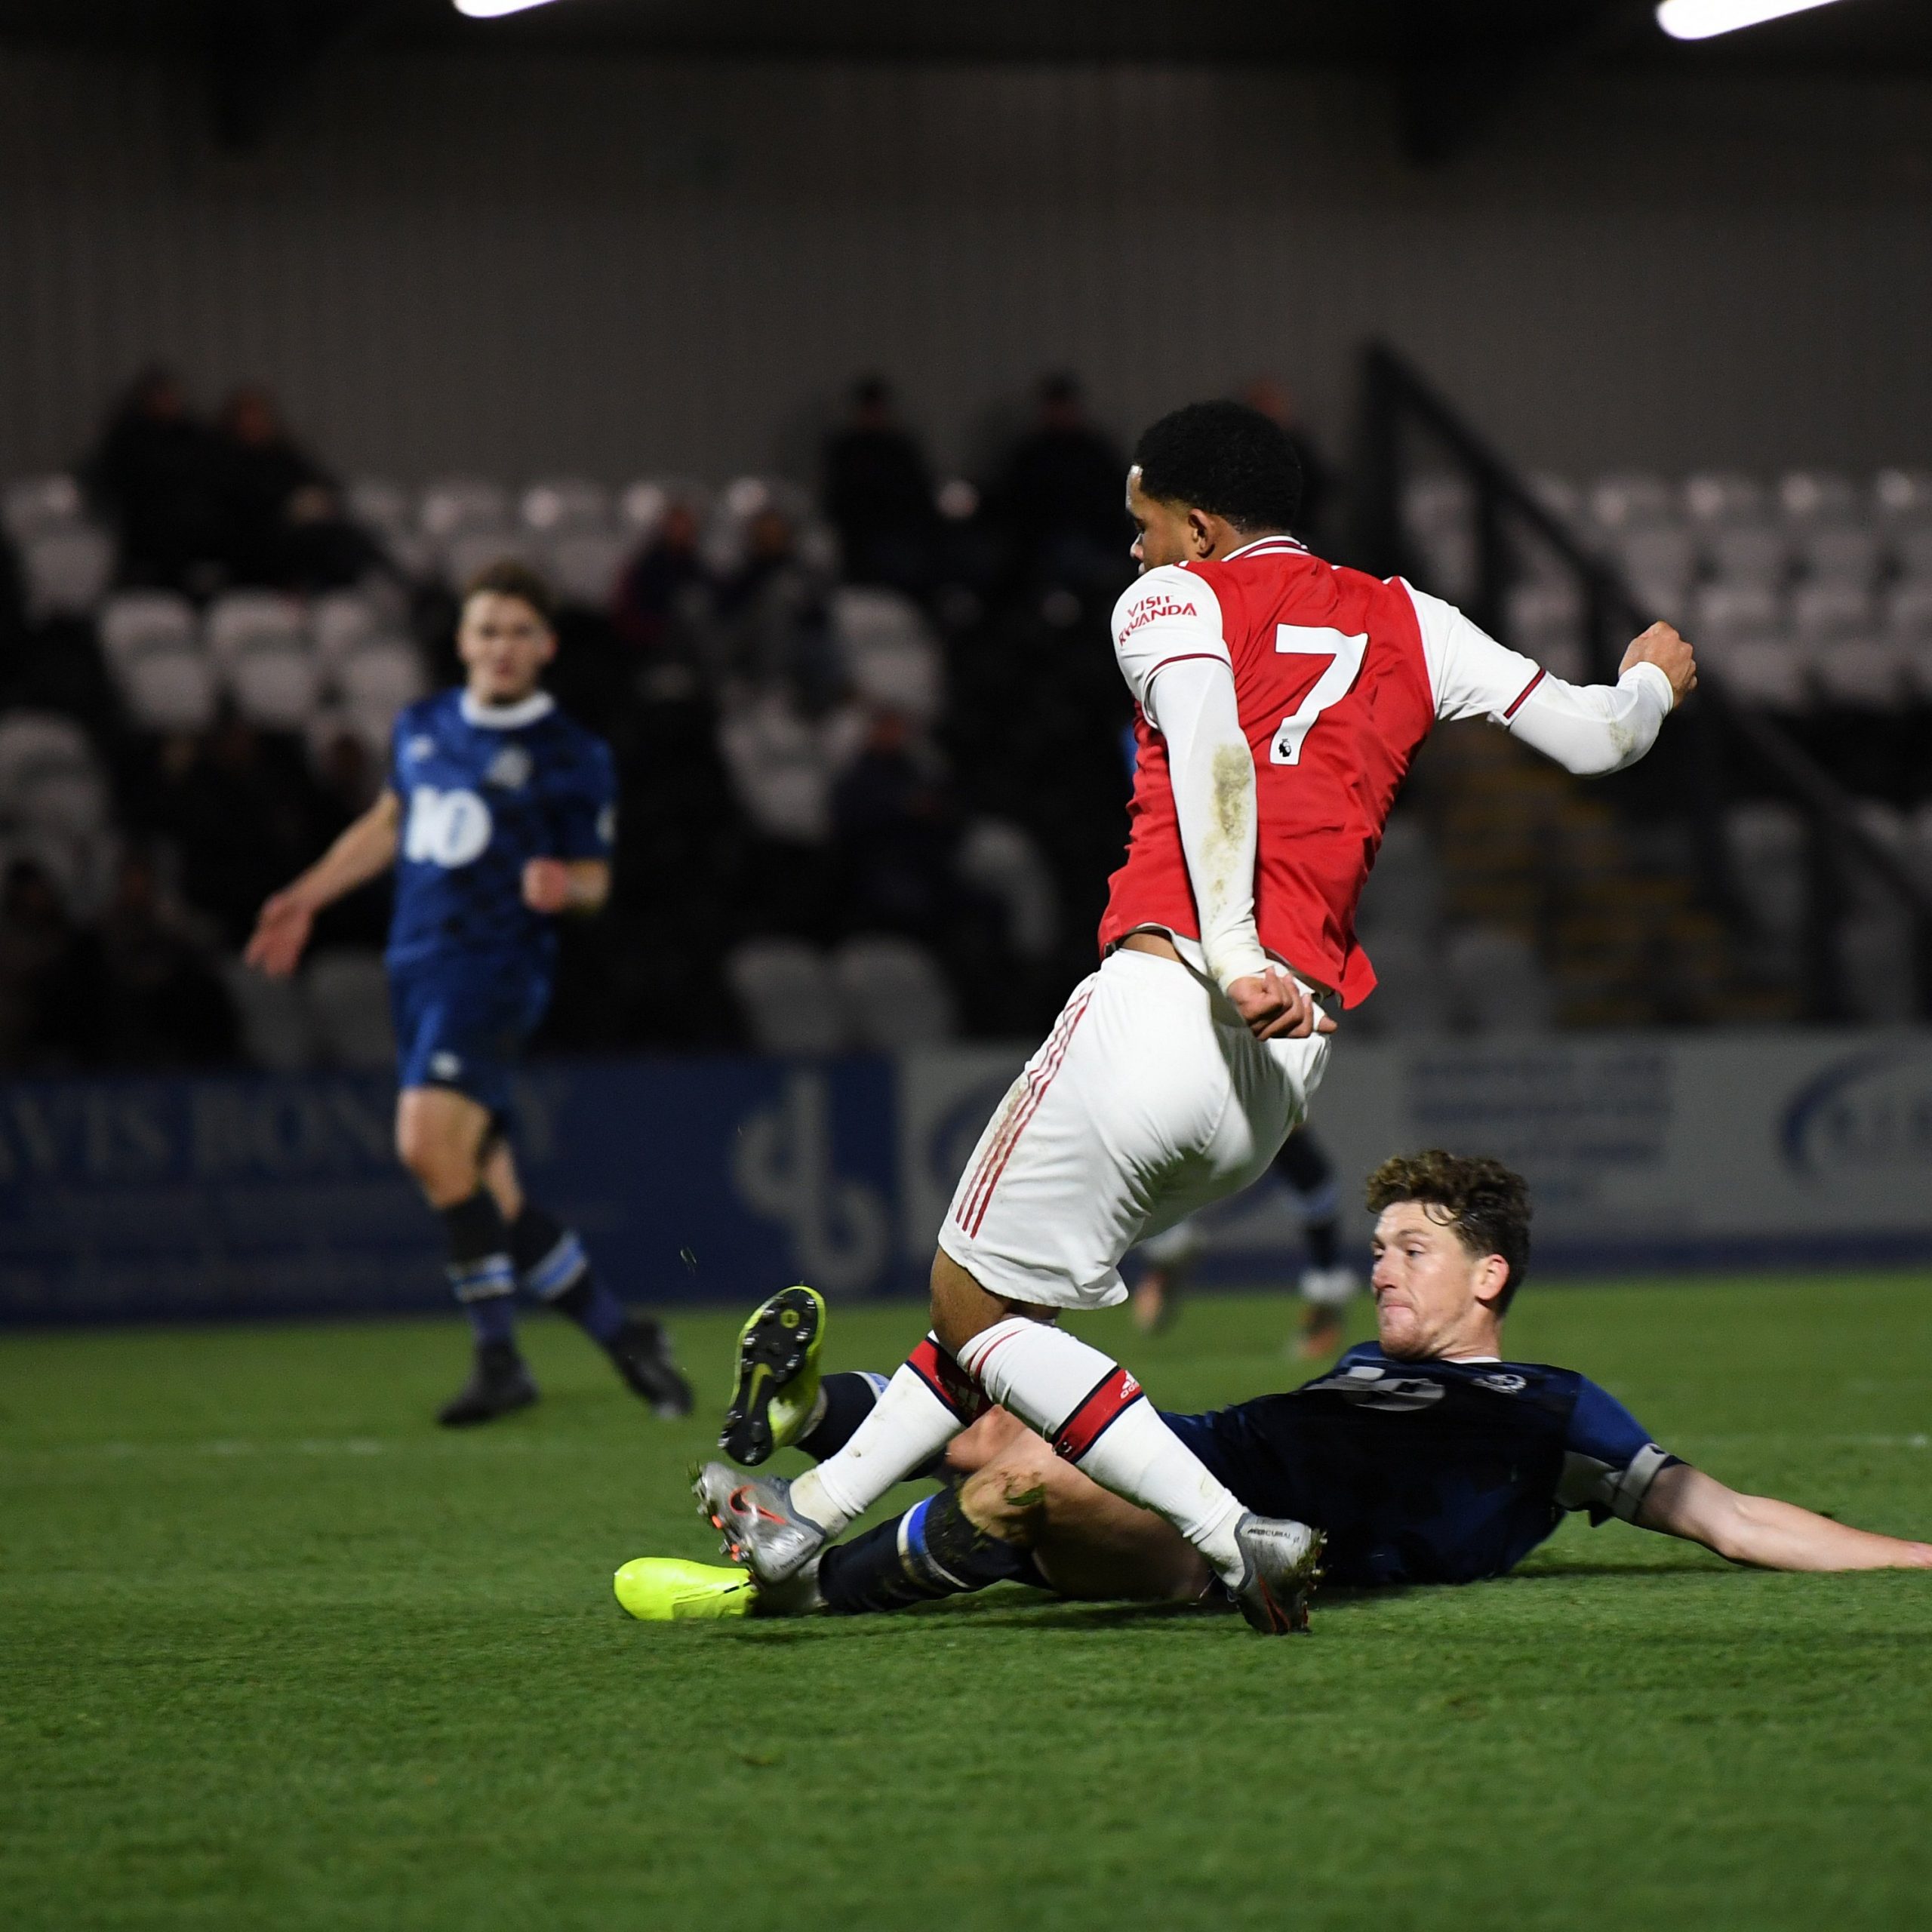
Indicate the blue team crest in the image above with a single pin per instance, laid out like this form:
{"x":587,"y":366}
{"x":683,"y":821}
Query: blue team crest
{"x":1371,"y":1387}
{"x":1503,"y":1383}
{"x":419,"y":748}
{"x":509,"y":770}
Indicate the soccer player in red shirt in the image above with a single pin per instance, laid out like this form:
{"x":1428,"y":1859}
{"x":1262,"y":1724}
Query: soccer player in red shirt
{"x":1281,"y":701}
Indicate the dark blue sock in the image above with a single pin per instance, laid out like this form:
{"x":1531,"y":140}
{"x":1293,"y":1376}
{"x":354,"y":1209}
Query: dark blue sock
{"x":552,"y":1264}
{"x":931,"y":1551}
{"x":480,"y":1275}
{"x":850,"y":1396}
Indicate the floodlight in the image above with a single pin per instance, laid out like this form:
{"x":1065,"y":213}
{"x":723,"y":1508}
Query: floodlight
{"x":1699,"y":20}
{"x":490,"y":10}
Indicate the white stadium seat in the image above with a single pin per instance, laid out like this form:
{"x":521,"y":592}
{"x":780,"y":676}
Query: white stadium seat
{"x":1002,"y":860}
{"x":467,"y":555}
{"x":785,"y":989}
{"x":1902,"y":495}
{"x":461,"y":505}
{"x":275,"y":686}
{"x":565,"y":505}
{"x":1839,"y":552}
{"x":584,"y":568}
{"x":1545,"y":621}
{"x":341,"y":624}
{"x":382,"y":677}
{"x":1911,"y":546}
{"x":1630,"y":499}
{"x":1818,"y":496}
{"x":134,"y":623}
{"x":348,"y":998}
{"x":893,"y":993}
{"x":65,"y":572}
{"x":382,"y":508}
{"x":1828,"y":613}
{"x":243,"y":621}
{"x":169,"y":691}
{"x":1748,"y":553}
{"x":50,"y":778}
{"x":1713,"y":497}
{"x":34,"y":506}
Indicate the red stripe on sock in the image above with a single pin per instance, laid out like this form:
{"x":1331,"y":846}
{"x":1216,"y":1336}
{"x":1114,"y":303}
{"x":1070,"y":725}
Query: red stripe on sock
{"x":1116,"y":1392}
{"x":948,"y":1381}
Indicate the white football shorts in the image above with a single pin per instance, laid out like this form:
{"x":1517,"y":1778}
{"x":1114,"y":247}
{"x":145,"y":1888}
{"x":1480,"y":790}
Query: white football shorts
{"x":1149,"y":1099}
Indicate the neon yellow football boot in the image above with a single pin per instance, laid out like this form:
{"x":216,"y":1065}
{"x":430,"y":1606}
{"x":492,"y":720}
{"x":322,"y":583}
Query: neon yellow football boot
{"x":778,"y":1380}
{"x":669,"y":1589}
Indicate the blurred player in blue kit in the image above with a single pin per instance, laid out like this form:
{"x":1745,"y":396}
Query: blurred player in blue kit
{"x":499,"y":817}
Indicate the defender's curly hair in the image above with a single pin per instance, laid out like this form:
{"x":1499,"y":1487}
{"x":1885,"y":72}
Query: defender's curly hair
{"x":1225,"y":458}
{"x":1486,"y":1203}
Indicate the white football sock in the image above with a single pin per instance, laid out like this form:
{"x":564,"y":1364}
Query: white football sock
{"x":909,"y":1424}
{"x":1093,"y":1411}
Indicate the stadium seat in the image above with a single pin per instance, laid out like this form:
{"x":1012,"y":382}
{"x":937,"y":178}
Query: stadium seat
{"x":1545,"y":621}
{"x":50,"y":778}
{"x":891,"y":657}
{"x":1839,"y":553}
{"x":278,"y":1027}
{"x":565,"y":505}
{"x":1911,"y":545}
{"x":348,"y":998}
{"x":82,"y":866}
{"x":1748,"y":553}
{"x":1658,"y":561}
{"x":1003,"y":860}
{"x":893,"y":993}
{"x":1767,"y":845}
{"x":34,"y":506}
{"x":1497,"y":982}
{"x":341,"y":624}
{"x":65,"y":572}
{"x":134,"y":623}
{"x":1728,"y":614}
{"x":381,"y":508}
{"x":782,"y":763}
{"x":1829,"y":612}
{"x":1438,"y":514}
{"x":584,"y":567}
{"x":1631,"y":499}
{"x":275,"y":686}
{"x":1713,"y":498}
{"x":641,"y":506}
{"x":472,"y":552}
{"x":1903,"y":496}
{"x":243,"y":621}
{"x":785,"y":991}
{"x":1818,"y":496}
{"x":382,"y":677}
{"x":462,"y":505}
{"x":169,"y":689}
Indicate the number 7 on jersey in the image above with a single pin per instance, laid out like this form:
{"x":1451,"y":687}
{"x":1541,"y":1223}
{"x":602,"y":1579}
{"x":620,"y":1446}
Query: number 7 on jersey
{"x":1344,"y":654}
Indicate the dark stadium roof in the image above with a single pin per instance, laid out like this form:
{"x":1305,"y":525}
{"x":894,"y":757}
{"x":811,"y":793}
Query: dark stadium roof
{"x":1883,"y":36}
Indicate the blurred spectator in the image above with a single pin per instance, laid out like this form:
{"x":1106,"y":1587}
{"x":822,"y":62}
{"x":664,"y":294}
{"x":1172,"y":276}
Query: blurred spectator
{"x":285,"y":526}
{"x":49,"y":1005}
{"x":879,"y":492}
{"x":662,"y":596}
{"x":1062,"y":493}
{"x":897,"y":824}
{"x":1320,"y":485}
{"x":247,"y":816}
{"x":771,"y":623}
{"x":156,"y":475}
{"x":162,"y":1003}
{"x":348,"y":775}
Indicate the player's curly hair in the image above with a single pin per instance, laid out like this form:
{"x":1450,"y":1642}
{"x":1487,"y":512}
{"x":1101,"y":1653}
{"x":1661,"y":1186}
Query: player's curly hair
{"x":1226,"y":459}
{"x":1486,"y":1203}
{"x":507,"y":578}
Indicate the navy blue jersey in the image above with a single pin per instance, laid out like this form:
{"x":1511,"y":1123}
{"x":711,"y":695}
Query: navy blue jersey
{"x":1430,"y":1471}
{"x":484,"y":793}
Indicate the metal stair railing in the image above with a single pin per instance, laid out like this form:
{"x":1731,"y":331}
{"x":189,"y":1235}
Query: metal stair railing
{"x":1717,"y":723}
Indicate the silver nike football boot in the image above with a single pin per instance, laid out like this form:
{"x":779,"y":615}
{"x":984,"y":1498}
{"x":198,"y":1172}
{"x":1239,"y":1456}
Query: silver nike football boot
{"x":754,"y":1517}
{"x":1283,"y":1563}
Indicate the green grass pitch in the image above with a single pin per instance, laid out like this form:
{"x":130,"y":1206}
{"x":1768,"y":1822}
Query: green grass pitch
{"x":278,"y":1653}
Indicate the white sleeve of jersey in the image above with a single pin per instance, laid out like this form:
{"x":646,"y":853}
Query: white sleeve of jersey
{"x":1591,"y":730}
{"x":1165,"y":617}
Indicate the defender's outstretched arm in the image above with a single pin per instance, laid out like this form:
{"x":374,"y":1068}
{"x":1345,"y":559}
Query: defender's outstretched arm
{"x":1760,"y":1530}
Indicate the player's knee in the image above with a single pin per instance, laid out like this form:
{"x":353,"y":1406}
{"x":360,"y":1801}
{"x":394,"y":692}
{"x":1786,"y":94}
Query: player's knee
{"x":443,"y":1166}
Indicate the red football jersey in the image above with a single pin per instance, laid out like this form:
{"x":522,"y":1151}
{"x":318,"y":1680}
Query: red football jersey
{"x":1334,"y":688}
